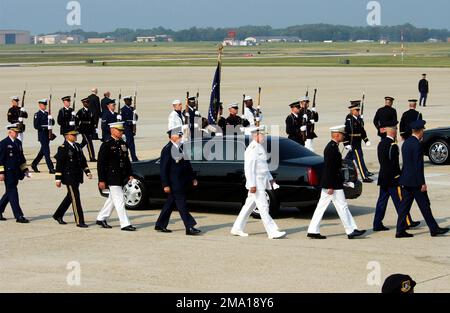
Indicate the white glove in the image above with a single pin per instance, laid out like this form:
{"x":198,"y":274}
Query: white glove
{"x":314,"y":110}
{"x":186,"y":114}
{"x":348,"y":147}
{"x":211,"y":129}
{"x":22,"y":110}
{"x":20,"y":119}
{"x":305,"y":116}
{"x":134,"y":122}
{"x":29,"y":175}
{"x":96,"y":130}
{"x":50,"y":117}
{"x":368,"y":144}
{"x":312,"y":121}
{"x":197,"y":113}
{"x":258,"y":119}
{"x":362,"y":116}
{"x":71,"y":123}
{"x":49,"y":127}
{"x":73,"y":113}
{"x":303,"y":128}
{"x":195,"y":125}
{"x":184,"y":127}
{"x":243,"y":117}
{"x":119,"y":117}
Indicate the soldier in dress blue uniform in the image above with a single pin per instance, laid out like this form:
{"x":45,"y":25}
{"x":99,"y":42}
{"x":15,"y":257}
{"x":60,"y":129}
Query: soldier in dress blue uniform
{"x":413,"y":182}
{"x":109,"y":116}
{"x":408,"y":117}
{"x":86,"y":121}
{"x":354,"y":135}
{"x":385,"y":115}
{"x":66,"y":116}
{"x":293,"y":124}
{"x":388,"y":156}
{"x":176,"y":177}
{"x":70,"y":167}
{"x":43,"y":122}
{"x":13,"y":167}
{"x":308,"y":120}
{"x":129,"y":117}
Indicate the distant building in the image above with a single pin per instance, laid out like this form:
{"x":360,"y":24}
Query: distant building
{"x":101,"y":40}
{"x":14,"y":37}
{"x":364,"y":41}
{"x":261,"y":39}
{"x":433,"y":40}
{"x":230,"y":42}
{"x":384,"y":42}
{"x":157,"y":38}
{"x":56,"y":39}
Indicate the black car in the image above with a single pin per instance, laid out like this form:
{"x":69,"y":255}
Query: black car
{"x":436,"y":143}
{"x":220,"y":173}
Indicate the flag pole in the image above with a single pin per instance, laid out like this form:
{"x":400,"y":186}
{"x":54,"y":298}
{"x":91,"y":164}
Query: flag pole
{"x":219,"y":59}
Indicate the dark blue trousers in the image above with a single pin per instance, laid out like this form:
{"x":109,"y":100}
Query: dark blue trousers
{"x":44,"y":152}
{"x":11,"y":196}
{"x":130,"y":143}
{"x":395,"y":193}
{"x":409,"y":195}
{"x":357,"y":156}
{"x":423,"y":99}
{"x":175,"y":200}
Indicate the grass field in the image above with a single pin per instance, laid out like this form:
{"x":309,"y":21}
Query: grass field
{"x":204,"y":54}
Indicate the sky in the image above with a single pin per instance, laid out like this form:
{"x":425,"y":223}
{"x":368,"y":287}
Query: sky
{"x":46,"y":16}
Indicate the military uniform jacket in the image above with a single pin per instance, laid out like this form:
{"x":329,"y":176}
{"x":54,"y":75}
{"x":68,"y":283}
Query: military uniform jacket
{"x":331,"y":174}
{"x":175,"y":170}
{"x":65,"y":117}
{"x":310,"y":127}
{"x":108,"y":117}
{"x":70,"y":164}
{"x":127,"y":113}
{"x":293,"y":124}
{"x":103,"y":105}
{"x":14,"y":116}
{"x":388,"y":157}
{"x":384,"y":114}
{"x":256,"y":168}
{"x":12,"y":161}
{"x":354,"y":131}
{"x":85,"y":121}
{"x":41,"y":124}
{"x":407,"y":118}
{"x":424,"y":86}
{"x":250,"y":115}
{"x":413,"y":174}
{"x":114,"y":166}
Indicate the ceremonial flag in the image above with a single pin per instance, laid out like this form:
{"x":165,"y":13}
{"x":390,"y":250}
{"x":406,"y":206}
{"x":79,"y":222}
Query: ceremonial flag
{"x":214,"y":103}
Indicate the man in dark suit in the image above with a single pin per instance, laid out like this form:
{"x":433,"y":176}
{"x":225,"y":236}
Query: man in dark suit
{"x":129,"y":117}
{"x":176,"y":177}
{"x":407,"y":118}
{"x":70,"y":167}
{"x":424,"y":89}
{"x":413,"y":182}
{"x":94,"y":105}
{"x":13,"y":168}
{"x":108,"y":117}
{"x":105,"y":101}
{"x":385,"y":115}
{"x":43,"y":122}
{"x":388,"y":156}
{"x":293,"y":124}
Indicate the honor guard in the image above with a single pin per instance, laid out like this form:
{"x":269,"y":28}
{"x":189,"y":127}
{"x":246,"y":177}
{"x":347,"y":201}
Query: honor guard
{"x":66,"y":116}
{"x":43,"y":122}
{"x":332,"y":183}
{"x":176,"y":116}
{"x":114,"y":171}
{"x":250,"y":111}
{"x":293,"y":124}
{"x":16,"y":115}
{"x":86,"y":126}
{"x":354,"y":135}
{"x":386,"y":114}
{"x":258,"y":180}
{"x":234,"y":122}
{"x":177,"y":176}
{"x":130,"y":119}
{"x":408,"y":117}
{"x":70,"y":167}
{"x":412,"y":179}
{"x":388,"y":157}
{"x":308,"y":119}
{"x":194,"y":116}
{"x":108,"y":117}
{"x":222,"y":122}
{"x":13,"y":168}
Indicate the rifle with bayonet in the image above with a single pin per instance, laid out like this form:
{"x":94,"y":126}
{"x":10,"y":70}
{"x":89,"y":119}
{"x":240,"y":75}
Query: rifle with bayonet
{"x":72,"y":118}
{"x":187,"y":119}
{"x":134,"y":111}
{"x":51,"y":135}
{"x":258,"y":109}
{"x":22,"y":113}
{"x":119,"y":117}
{"x":362,"y":105}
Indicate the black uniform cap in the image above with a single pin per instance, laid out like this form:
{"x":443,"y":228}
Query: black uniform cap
{"x":398,"y":283}
{"x":389,"y":98}
{"x":192,"y":98}
{"x":85,"y":100}
{"x":356,"y":104}
{"x":295,"y":104}
{"x":413,"y":100}
{"x":66,"y":98}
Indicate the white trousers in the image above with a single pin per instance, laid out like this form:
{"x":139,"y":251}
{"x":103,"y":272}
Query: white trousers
{"x":309,"y":145}
{"x":340,"y":203}
{"x":115,"y":200}
{"x":256,"y":200}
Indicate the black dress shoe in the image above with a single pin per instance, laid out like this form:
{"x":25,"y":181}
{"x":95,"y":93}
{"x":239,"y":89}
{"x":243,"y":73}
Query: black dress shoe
{"x":413,"y":225}
{"x":316,"y":236}
{"x":82,"y":225}
{"x":60,"y":220}
{"x":192,"y":231}
{"x":35,"y":169}
{"x":368,"y":180}
{"x":162,"y":230}
{"x":103,"y":224}
{"x":356,"y":233}
{"x":129,"y":228}
{"x":52,"y":172}
{"x":403,"y":234}
{"x":381,"y":228}
{"x":2,"y":218}
{"x":439,"y":231}
{"x":22,"y":220}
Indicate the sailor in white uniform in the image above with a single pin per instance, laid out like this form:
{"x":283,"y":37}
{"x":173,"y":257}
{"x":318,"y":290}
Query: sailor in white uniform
{"x":259,"y":180}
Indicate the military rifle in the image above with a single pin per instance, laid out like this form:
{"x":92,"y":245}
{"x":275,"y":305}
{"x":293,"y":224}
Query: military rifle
{"x":258,"y":109}
{"x":21,"y":115}
{"x":362,"y":105}
{"x":243,"y":104}
{"x":51,"y":136}
{"x":314,"y":98}
{"x":72,"y":118}
{"x":187,"y":118}
{"x":134,"y":111}
{"x":119,"y":117}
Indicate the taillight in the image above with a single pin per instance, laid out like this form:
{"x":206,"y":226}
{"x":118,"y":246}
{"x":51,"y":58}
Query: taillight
{"x":313,"y":179}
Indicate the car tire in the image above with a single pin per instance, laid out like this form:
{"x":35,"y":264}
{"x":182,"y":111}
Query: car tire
{"x":274,"y":205}
{"x":438,"y":152}
{"x":135,"y":195}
